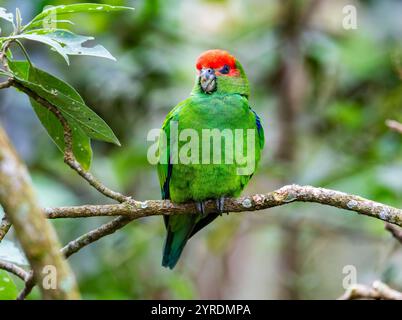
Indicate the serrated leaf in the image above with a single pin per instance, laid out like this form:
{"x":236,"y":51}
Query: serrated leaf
{"x":54,"y":90}
{"x":6,"y":15}
{"x":57,"y":11}
{"x":8,"y":289}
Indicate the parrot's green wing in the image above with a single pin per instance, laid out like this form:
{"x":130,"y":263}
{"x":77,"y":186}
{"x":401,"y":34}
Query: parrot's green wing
{"x":178,"y":227}
{"x":261,"y":142}
{"x":164,"y":165}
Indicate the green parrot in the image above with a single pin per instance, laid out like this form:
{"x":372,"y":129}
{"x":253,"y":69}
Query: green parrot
{"x":219,"y":100}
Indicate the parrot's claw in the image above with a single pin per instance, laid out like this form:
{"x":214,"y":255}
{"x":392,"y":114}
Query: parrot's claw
{"x":220,"y":204}
{"x":200,"y":205}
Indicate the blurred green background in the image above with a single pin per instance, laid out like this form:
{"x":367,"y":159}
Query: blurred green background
{"x":323,"y":94}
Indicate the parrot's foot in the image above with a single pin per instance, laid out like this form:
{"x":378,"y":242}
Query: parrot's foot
{"x":200,"y":205}
{"x":220,"y":204}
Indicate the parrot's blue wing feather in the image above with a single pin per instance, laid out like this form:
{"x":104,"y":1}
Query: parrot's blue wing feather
{"x":261,"y":141}
{"x":260,"y":129}
{"x":165,"y":188}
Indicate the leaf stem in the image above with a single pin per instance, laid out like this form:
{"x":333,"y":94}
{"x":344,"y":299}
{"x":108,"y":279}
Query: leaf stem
{"x":24,"y":51}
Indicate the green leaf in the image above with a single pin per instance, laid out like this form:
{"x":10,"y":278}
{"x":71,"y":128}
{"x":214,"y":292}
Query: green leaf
{"x":81,"y":142}
{"x":19,"y":68}
{"x":73,"y":43}
{"x":48,"y":23}
{"x":57,"y":11}
{"x":66,"y":43}
{"x":6,"y":15}
{"x":73,"y":108}
{"x":46,"y":40}
{"x":18,"y":19}
{"x":8,"y":289}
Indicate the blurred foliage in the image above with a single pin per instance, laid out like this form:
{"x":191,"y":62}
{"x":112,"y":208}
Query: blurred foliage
{"x":353,"y":86}
{"x":8,"y":290}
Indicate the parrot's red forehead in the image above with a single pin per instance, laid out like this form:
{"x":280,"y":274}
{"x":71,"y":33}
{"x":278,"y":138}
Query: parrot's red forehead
{"x":215,"y":59}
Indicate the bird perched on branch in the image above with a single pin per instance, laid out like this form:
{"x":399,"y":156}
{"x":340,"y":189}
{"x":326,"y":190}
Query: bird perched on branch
{"x":209,"y":148}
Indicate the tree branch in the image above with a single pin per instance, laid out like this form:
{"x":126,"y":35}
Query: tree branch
{"x":81,"y":242}
{"x":35,"y":234}
{"x":73,"y":164}
{"x":395,"y":231}
{"x":6,"y":84}
{"x":94,"y":235}
{"x":70,"y":160}
{"x":394,"y":125}
{"x":282,"y":196}
{"x":377,"y":291}
{"x":14,"y":269}
{"x":29,"y":285}
{"x":5,"y":225}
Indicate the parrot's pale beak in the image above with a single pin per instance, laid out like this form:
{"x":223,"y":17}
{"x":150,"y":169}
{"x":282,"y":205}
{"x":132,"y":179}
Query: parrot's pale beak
{"x":208,"y":80}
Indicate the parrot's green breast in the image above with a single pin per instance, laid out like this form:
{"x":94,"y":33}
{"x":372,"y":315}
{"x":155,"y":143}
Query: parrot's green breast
{"x":198,"y":182}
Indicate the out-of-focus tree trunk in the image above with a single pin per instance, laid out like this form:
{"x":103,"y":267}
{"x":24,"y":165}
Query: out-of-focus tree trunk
{"x":36,"y":235}
{"x":293,"y":84}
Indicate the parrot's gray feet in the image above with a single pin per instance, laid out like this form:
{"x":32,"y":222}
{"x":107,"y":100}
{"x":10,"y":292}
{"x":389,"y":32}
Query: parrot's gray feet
{"x":220,"y":204}
{"x":200,"y":205}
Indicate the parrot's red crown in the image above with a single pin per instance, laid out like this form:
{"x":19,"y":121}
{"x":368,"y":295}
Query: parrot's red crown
{"x":215,"y":58}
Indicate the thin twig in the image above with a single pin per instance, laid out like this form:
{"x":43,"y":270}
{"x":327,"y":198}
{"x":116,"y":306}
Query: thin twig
{"x":94,"y":235}
{"x":394,"y":125}
{"x":14,"y":269}
{"x":29,"y":285}
{"x":3,"y":54}
{"x":395,"y":231}
{"x":378,"y":291}
{"x":24,"y":51}
{"x":94,"y":182}
{"x":79,"y":243}
{"x":5,"y":225}
{"x":6,"y":84}
{"x":4,"y":62}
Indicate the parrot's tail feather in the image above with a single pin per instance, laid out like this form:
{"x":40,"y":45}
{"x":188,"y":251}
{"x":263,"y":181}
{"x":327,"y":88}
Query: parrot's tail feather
{"x":171,"y":254}
{"x":175,"y":242}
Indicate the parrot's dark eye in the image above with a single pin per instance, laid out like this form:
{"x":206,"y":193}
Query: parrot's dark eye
{"x":225,"y":69}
